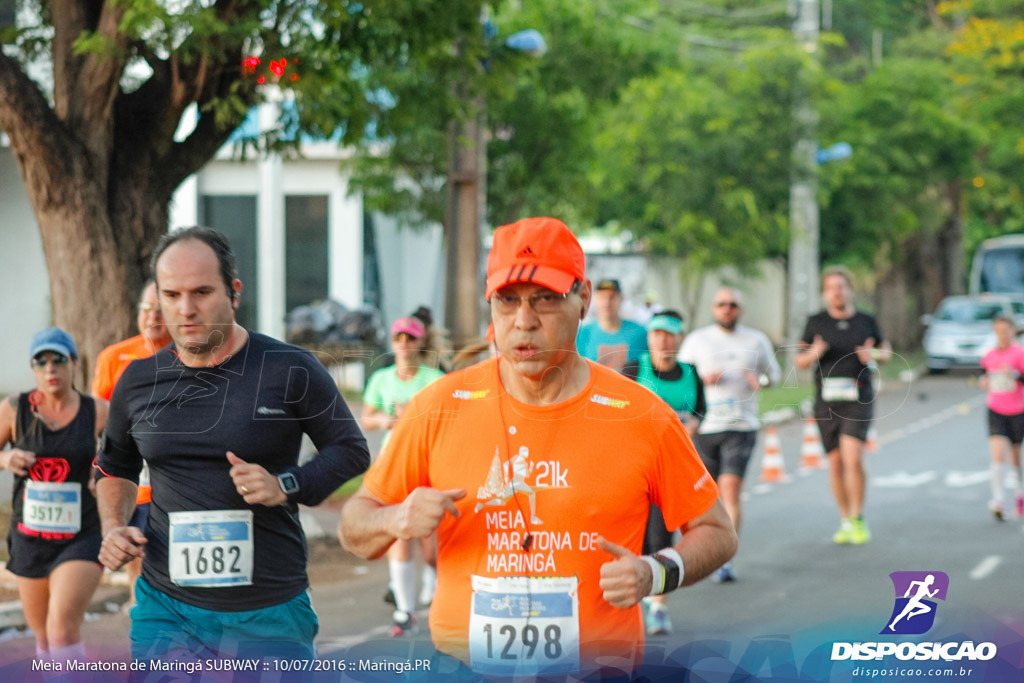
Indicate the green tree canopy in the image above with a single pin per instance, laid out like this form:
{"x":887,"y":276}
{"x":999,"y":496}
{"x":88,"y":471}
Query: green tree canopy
{"x":92,"y":93}
{"x":696,"y":160}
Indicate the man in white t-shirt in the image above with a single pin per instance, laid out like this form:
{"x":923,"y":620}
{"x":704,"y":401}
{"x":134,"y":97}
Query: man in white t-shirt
{"x":734,"y":362}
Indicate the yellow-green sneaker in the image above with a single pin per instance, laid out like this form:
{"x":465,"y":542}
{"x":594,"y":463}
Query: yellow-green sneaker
{"x":844,"y":534}
{"x":859,"y":532}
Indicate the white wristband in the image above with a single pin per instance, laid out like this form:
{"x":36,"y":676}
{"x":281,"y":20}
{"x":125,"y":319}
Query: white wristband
{"x":673,"y":556}
{"x":657,"y":575}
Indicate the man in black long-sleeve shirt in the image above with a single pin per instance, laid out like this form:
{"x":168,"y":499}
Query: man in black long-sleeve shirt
{"x":219,"y":417}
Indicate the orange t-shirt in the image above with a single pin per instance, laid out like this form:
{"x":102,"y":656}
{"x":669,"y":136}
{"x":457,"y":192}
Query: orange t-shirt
{"x":563,"y":474}
{"x":110,"y":365}
{"x":113,"y":361}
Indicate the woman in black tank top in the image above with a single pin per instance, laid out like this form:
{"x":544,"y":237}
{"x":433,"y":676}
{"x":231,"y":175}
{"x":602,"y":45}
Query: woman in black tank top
{"x":54,"y":538}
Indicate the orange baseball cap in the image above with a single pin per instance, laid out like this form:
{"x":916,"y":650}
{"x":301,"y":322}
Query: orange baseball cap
{"x":539,"y":250}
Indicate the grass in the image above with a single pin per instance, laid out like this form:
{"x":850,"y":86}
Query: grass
{"x":784,"y":396}
{"x":347,"y":489}
{"x":797,"y":387}
{"x":903,"y":361}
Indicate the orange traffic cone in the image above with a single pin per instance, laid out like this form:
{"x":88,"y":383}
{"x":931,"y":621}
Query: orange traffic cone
{"x":871,"y":442}
{"x":773,"y":468}
{"x":812,"y":452}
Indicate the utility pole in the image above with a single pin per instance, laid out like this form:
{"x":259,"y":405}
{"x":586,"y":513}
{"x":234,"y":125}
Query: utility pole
{"x":467,"y":178}
{"x":466,"y":214}
{"x":803,"y":202}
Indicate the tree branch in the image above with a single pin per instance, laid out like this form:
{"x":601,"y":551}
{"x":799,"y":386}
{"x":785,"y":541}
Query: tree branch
{"x":933,"y":16}
{"x":100,"y":78}
{"x":85,"y":85}
{"x":39,"y":140}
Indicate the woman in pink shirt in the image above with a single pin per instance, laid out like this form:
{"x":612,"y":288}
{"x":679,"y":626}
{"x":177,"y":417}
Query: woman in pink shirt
{"x":1004,"y":381}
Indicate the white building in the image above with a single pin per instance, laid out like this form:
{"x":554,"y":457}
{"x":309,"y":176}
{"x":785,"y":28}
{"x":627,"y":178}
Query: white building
{"x":297,"y":235}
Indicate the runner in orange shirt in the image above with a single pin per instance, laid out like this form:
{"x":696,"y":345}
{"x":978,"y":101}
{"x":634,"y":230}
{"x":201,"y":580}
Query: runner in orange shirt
{"x":537,"y":469}
{"x":152,"y":337}
{"x":110,"y":365}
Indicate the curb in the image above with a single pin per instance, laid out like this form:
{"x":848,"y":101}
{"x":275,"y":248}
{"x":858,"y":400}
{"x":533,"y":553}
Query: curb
{"x":11,"y":615}
{"x":310,"y":526}
{"x":108,"y":599}
{"x":774,"y":418}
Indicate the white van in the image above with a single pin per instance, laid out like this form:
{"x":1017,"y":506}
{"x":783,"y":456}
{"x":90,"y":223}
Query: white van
{"x":998,"y":266}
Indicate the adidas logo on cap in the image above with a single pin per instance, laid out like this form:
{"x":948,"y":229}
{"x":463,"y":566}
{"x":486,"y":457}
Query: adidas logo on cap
{"x":525,"y":252}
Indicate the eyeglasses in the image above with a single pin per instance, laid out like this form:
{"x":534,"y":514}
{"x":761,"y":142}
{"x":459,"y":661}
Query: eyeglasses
{"x":149,"y":308}
{"x":546,"y":302}
{"x":726,"y":304}
{"x":56,"y":359}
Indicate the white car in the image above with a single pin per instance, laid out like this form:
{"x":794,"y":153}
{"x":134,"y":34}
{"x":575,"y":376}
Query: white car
{"x":960,"y":331}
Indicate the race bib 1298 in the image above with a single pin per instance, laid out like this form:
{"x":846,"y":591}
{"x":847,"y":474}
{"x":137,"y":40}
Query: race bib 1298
{"x":524,"y":626}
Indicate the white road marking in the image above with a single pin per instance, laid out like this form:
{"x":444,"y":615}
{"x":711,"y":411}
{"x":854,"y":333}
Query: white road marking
{"x":310,"y":526}
{"x":959,"y":480}
{"x":904,"y":480}
{"x":986,"y":567}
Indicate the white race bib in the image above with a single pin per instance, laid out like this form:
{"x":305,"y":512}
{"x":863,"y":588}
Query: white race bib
{"x":1002,"y":382}
{"x":53,"y":507}
{"x":727,"y":411}
{"x":210,"y":549}
{"x":839,"y":389}
{"x":524,"y":625}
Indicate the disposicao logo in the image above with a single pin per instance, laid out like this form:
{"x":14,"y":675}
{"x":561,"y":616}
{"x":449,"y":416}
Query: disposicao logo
{"x":916,"y":593}
{"x":913,"y":614}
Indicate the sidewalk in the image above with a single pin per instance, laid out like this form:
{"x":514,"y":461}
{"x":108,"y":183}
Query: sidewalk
{"x":111,"y":594}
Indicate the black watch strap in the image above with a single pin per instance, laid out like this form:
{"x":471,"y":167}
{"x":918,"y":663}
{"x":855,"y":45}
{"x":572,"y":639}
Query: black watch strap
{"x":671,"y":572}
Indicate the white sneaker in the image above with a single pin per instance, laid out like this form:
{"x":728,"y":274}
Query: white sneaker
{"x":427,"y":594}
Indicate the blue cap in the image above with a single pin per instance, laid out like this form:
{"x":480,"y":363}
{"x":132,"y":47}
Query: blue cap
{"x":53,"y":339}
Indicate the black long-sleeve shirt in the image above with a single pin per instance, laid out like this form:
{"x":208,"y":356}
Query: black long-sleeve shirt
{"x":257,"y":404}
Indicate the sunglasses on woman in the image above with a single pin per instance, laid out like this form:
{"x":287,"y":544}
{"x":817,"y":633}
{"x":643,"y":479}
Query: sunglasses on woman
{"x":42,"y":361}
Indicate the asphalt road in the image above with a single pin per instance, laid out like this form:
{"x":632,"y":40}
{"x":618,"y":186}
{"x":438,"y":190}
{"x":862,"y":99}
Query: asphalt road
{"x":927,"y":508}
{"x":797,"y":592}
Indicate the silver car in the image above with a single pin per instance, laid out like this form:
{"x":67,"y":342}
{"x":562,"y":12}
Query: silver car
{"x":960,"y":331}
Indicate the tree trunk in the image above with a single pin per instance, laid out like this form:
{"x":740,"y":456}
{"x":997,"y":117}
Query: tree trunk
{"x":94,"y":274}
{"x":931,"y":266}
{"x":98,"y":259}
{"x":92,"y":290}
{"x":951,"y":240}
{"x":893,"y":306}
{"x":100,"y":167}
